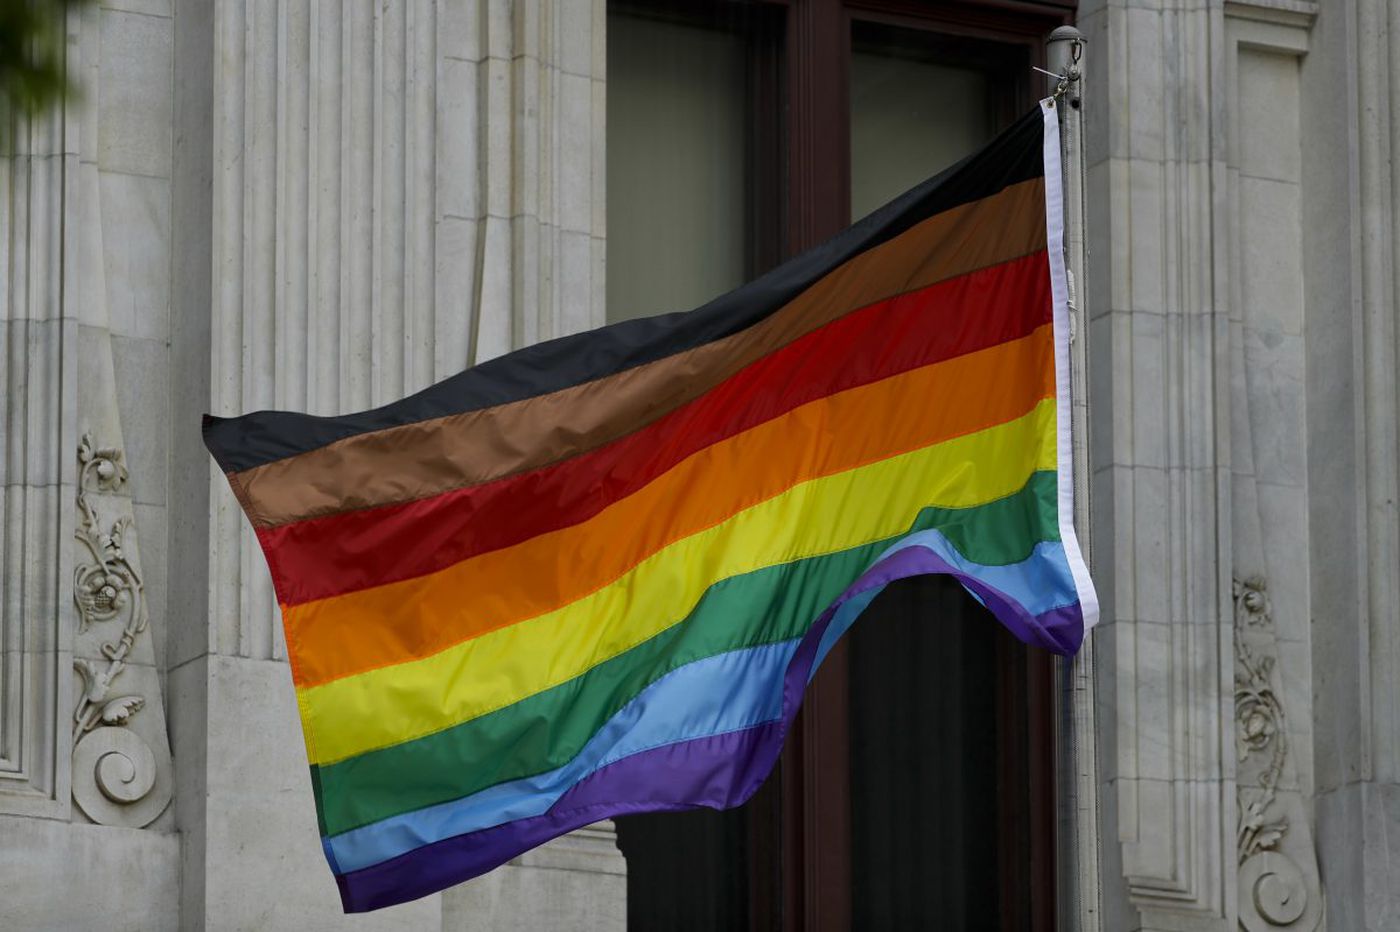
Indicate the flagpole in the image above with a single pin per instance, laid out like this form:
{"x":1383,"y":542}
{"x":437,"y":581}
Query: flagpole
{"x":1079,"y":902}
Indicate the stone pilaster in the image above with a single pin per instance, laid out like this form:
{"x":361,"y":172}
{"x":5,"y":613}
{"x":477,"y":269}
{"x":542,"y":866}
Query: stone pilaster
{"x":1350,"y":141}
{"x":37,"y":480}
{"x":83,"y":567}
{"x":1161,"y":462}
{"x":1195,"y":197}
{"x":377,"y":196}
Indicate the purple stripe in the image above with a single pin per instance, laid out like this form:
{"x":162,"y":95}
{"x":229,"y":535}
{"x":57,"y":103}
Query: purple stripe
{"x":719,"y":772}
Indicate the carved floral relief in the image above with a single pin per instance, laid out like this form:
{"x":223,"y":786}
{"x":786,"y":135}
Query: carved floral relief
{"x":117,"y":777}
{"x":1274,"y":890}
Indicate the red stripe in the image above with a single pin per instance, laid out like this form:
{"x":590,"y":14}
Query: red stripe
{"x":340,"y":553}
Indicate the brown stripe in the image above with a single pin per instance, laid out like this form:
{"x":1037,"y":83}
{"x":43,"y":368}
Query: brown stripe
{"x":418,"y":460}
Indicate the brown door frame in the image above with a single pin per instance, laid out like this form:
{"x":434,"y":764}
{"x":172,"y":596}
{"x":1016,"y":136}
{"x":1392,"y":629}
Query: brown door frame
{"x":815,"y":764}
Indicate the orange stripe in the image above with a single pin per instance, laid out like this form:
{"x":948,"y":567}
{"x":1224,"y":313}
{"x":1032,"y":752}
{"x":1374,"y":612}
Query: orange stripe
{"x":389,"y":624}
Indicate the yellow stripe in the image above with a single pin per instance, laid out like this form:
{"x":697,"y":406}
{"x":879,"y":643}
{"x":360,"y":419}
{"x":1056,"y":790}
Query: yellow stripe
{"x":389,"y":705}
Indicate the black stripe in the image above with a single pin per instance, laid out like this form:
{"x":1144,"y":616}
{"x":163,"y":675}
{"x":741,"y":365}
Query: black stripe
{"x":265,"y":436}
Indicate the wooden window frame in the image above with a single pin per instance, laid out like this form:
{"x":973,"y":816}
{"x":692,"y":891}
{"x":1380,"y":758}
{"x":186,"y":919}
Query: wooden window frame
{"x":814,"y":774}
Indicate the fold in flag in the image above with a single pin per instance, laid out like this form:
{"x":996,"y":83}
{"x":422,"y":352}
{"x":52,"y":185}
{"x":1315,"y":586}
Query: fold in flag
{"x":593,"y":577}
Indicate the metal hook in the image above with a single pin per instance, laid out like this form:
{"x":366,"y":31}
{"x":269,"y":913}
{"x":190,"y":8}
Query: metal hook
{"x":1063,"y":81}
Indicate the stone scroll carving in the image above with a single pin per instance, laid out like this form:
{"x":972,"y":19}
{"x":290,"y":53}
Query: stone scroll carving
{"x":121,"y":773}
{"x":1277,"y":873}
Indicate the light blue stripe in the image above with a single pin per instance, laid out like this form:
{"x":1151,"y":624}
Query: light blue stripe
{"x":718,"y":694}
{"x":1040,"y":583}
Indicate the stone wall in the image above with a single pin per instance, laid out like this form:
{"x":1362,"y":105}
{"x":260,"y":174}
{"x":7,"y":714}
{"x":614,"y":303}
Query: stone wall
{"x":280,"y":204}
{"x":326,"y":206}
{"x":1244,"y":460}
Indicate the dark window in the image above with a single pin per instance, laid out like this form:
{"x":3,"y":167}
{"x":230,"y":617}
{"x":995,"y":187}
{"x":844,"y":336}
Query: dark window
{"x":694,"y":174}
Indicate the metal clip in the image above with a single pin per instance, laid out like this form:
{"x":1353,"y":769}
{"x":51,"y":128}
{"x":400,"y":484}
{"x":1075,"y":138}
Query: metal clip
{"x":1062,"y":87}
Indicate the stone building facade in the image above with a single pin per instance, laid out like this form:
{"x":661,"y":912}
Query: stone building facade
{"x":325,"y":206}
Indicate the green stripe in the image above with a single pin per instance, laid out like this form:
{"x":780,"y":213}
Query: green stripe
{"x":549,"y":728}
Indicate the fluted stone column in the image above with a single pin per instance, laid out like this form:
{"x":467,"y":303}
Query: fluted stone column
{"x":372,"y":196}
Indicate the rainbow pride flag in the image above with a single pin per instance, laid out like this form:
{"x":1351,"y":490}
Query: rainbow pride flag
{"x":593,"y":577}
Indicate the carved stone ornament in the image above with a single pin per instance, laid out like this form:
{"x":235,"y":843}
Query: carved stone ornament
{"x":109,"y":586}
{"x":1274,"y":891}
{"x":117,"y":779}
